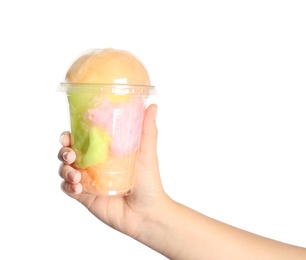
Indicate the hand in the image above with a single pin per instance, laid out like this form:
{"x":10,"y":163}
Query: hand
{"x":168,"y":227}
{"x":127,"y":213}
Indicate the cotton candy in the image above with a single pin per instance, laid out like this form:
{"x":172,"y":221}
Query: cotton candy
{"x":123,"y":122}
{"x":106,"y":90}
{"x":115,"y":175}
{"x":108,"y":66}
{"x":91,"y":145}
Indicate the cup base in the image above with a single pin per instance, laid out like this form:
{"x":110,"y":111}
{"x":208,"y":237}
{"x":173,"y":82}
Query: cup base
{"x":119,"y":193}
{"x":112,"y":193}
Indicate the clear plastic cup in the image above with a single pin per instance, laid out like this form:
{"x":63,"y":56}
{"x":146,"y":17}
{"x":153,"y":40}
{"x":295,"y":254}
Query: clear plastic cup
{"x":106,"y":125}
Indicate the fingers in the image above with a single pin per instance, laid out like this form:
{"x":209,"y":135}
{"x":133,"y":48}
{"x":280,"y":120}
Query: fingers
{"x":149,"y":131}
{"x":70,"y":176}
{"x":65,"y":138}
{"x":71,"y":188}
{"x":71,"y":179}
{"x":66,"y":155}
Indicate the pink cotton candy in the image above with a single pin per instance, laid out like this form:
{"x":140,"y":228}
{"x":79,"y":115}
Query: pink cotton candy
{"x":122,"y":121}
{"x":101,"y":115}
{"x":127,"y":129}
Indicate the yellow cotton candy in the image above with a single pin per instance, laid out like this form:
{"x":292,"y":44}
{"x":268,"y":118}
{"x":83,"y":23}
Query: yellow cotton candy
{"x":117,"y":99}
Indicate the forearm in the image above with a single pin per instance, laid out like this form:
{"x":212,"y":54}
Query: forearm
{"x":179,"y":232}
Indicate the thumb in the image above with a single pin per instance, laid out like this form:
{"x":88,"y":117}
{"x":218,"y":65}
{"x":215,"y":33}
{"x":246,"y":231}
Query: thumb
{"x":149,"y":131}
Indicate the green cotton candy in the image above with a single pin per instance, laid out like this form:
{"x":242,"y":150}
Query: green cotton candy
{"x":90,"y":143}
{"x":79,"y":102}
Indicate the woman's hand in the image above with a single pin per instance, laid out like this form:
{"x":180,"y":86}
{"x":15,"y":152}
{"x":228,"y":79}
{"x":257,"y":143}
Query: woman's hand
{"x":126,"y":213}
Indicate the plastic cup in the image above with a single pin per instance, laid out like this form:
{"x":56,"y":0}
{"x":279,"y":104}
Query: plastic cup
{"x":106,"y":125}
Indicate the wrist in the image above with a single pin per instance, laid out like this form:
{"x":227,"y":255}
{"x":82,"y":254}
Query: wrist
{"x":156,"y":229}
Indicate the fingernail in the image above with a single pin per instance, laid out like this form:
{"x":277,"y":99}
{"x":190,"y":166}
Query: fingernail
{"x":77,"y":188}
{"x":65,"y":156}
{"x":74,"y":176}
{"x":61,"y":137}
{"x":77,"y":177}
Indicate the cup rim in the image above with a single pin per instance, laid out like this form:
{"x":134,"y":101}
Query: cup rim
{"x":107,"y":88}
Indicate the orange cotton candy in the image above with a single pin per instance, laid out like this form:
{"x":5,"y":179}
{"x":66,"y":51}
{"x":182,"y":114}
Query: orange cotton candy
{"x":114,"y":176}
{"x":108,"y":66}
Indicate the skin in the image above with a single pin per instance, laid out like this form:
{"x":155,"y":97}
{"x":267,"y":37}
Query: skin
{"x":151,"y":217}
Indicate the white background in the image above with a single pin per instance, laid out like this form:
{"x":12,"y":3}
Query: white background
{"x":232,"y":105}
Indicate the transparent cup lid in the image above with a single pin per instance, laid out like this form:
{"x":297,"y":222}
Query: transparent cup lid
{"x":119,"y":89}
